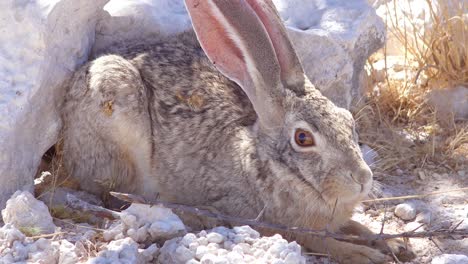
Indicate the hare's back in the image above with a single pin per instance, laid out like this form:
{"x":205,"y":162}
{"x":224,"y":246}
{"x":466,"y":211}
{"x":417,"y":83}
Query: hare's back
{"x":188,"y":95}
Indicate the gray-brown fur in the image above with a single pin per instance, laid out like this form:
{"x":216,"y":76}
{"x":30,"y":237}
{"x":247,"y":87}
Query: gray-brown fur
{"x":161,"y":119}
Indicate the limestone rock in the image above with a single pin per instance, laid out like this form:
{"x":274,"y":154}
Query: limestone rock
{"x":333,"y":40}
{"x":24,"y":211}
{"x":450,"y":259}
{"x":405,"y":211}
{"x":41,"y":44}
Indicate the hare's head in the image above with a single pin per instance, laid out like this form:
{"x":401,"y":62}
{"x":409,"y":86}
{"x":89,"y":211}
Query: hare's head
{"x":301,"y":133}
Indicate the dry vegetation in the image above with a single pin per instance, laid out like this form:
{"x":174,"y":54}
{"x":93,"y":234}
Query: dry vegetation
{"x":397,"y":120}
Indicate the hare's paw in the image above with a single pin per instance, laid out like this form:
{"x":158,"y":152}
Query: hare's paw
{"x":361,"y":254}
{"x":400,"y":248}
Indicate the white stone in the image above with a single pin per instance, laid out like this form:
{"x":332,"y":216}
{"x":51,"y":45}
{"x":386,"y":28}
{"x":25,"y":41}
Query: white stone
{"x":124,"y":251}
{"x":188,"y":239}
{"x":184,"y":254}
{"x":112,"y":232}
{"x":215,"y":238}
{"x":17,"y":249}
{"x":24,"y":211}
{"x":213,"y":259}
{"x":234,"y":257}
{"x":140,"y":19}
{"x":344,"y":33}
{"x":67,"y":253}
{"x":150,"y":253}
{"x":450,"y":259}
{"x":41,"y":44}
{"x":202,"y":241}
{"x":405,"y":211}
{"x":201,"y":251}
{"x":451,"y":102}
{"x":294,"y":258}
{"x":144,"y":222}
{"x":273,"y":249}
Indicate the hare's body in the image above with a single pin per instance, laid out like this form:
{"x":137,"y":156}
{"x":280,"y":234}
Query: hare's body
{"x":178,"y":140}
{"x":238,"y":130}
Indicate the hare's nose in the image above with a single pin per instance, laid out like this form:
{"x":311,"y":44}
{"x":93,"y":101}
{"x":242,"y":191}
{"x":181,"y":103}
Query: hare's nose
{"x":362,"y":175}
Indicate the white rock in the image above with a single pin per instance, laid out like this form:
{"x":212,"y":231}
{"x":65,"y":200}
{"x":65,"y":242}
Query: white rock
{"x":273,"y":249}
{"x":202,"y":241}
{"x":201,"y":251}
{"x":344,"y":33}
{"x":450,"y":259}
{"x":144,"y":222}
{"x":41,"y":44}
{"x":234,"y":257}
{"x":405,"y":211}
{"x":183,"y":254}
{"x":213,"y":259}
{"x":140,"y":19}
{"x":188,"y":239}
{"x":294,"y":258}
{"x":16,"y":248}
{"x":450,"y":102}
{"x":24,"y":211}
{"x":215,"y":237}
{"x":150,"y":253}
{"x":67,"y":253}
{"x":124,"y":251}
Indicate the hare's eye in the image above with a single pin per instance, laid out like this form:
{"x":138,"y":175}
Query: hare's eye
{"x":304,"y":138}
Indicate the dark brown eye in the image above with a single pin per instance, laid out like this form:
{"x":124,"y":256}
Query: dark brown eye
{"x":304,"y":138}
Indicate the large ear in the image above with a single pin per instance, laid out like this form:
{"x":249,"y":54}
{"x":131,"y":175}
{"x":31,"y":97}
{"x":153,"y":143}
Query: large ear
{"x":292,"y":73}
{"x":235,"y":40}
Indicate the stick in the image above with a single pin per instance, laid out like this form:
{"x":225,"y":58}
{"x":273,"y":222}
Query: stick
{"x":78,"y":204}
{"x":284,"y":228}
{"x":415,"y":196}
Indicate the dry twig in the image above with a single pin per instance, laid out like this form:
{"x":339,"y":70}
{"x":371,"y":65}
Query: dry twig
{"x":442,"y":232}
{"x":78,"y":204}
{"x":415,"y":196}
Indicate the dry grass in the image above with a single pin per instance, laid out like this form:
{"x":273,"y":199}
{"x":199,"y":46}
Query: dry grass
{"x":439,"y":46}
{"x":397,"y":120}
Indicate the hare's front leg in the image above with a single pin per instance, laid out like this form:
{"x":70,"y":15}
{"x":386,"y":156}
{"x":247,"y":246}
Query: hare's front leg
{"x":343,"y":252}
{"x":400,"y":248}
{"x":107,"y":127}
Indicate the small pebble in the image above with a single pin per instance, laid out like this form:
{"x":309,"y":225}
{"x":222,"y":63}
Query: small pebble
{"x":215,"y":238}
{"x":405,"y":211}
{"x":184,"y":254}
{"x":188,"y":239}
{"x":202,"y":241}
{"x":201,"y":251}
{"x":450,"y":259}
{"x":421,"y":175}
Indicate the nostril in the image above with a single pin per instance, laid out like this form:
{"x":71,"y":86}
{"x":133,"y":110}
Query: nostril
{"x":353,"y":176}
{"x":361,"y":178}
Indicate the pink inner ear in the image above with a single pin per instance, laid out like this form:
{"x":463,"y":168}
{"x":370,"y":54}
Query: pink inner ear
{"x":216,"y":42}
{"x":285,"y":53}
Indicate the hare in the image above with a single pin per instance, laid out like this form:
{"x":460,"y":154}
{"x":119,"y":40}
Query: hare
{"x":221,"y":117}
